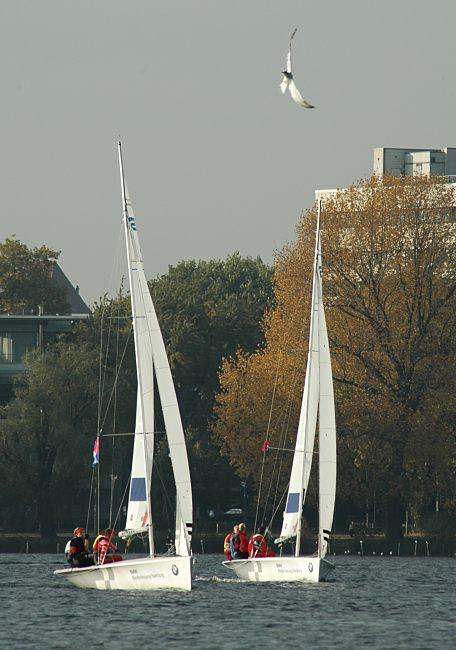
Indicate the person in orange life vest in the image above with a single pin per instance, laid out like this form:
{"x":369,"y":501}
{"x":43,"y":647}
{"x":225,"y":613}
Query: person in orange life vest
{"x":102,"y":547}
{"x":226,"y":543}
{"x":77,"y":548}
{"x":257,"y":544}
{"x":239,"y":545}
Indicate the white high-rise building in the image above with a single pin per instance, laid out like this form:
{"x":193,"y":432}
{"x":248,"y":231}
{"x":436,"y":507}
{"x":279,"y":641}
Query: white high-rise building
{"x":410,"y":162}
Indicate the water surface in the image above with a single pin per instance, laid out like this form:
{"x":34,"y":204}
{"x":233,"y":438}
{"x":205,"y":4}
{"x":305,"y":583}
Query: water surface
{"x":379,"y":602}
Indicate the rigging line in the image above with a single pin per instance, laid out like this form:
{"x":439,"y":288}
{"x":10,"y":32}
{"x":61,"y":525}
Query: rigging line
{"x":116,"y":379}
{"x":267,"y":433}
{"x":132,"y":433}
{"x":90,"y":499}
{"x":286,"y":429}
{"x":284,"y":416}
{"x":278,"y":505}
{"x":114,"y":418}
{"x":99,"y":372}
{"x":114,"y":271}
{"x":281,"y":443}
{"x":121,"y":502}
{"x":286,"y":421}
{"x":106,"y":356}
{"x":286,"y":426}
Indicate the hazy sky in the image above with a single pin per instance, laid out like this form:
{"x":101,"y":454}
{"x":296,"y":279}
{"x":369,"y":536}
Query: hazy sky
{"x":217,"y":160}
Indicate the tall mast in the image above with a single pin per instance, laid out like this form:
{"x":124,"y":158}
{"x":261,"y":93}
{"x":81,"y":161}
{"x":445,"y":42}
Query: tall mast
{"x":140,"y":401}
{"x":309,"y":374}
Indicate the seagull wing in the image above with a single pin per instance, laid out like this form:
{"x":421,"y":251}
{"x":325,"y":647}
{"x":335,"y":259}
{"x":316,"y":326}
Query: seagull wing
{"x":288,"y":68}
{"x":284,"y":84}
{"x":298,"y":98}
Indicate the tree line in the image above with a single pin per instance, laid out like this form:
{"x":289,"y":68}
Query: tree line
{"x":236,"y":333}
{"x":86,"y":381}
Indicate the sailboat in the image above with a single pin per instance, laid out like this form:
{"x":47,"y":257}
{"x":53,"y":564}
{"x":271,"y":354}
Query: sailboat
{"x":317,"y":400}
{"x":152,"y":571}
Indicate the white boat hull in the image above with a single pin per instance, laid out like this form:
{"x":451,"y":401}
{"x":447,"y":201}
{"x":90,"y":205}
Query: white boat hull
{"x":281,"y":569}
{"x":142,"y":574}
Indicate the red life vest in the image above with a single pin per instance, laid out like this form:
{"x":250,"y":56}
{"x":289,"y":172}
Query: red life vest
{"x":243,"y":544}
{"x":257,"y":546}
{"x":226,"y":546}
{"x":101,"y":547}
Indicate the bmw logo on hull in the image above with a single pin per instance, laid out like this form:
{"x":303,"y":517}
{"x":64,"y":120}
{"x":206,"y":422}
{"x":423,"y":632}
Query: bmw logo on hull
{"x":174,"y":569}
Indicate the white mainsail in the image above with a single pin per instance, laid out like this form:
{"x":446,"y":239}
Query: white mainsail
{"x":150,"y":355}
{"x":318,"y":399}
{"x":139,"y":513}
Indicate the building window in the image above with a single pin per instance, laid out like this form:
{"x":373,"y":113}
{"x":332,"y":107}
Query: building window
{"x":6,"y":349}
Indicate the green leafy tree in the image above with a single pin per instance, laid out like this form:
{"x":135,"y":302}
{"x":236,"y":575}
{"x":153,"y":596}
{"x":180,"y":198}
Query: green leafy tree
{"x":207,"y":310}
{"x":46,"y":433}
{"x":26,"y":279}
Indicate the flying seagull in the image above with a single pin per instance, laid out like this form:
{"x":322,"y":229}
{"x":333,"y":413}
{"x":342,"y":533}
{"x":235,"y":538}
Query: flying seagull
{"x":287,"y":81}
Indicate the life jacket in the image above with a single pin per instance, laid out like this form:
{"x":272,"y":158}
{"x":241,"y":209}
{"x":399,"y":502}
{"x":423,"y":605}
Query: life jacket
{"x":243,"y":544}
{"x":74,"y":548}
{"x":257,"y":546}
{"x":102,"y":546}
{"x":226,"y":543}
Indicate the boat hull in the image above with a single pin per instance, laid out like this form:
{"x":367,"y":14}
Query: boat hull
{"x":281,"y":569}
{"x":142,"y":574}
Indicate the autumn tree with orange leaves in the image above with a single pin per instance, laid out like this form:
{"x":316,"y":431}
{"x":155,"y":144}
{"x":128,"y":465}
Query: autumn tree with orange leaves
{"x":389,"y":291}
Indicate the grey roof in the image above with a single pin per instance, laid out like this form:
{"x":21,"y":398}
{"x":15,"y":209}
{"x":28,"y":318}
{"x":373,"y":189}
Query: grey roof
{"x":76,"y":303}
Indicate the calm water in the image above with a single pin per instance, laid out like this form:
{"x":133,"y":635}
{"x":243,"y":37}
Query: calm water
{"x":371,"y":603}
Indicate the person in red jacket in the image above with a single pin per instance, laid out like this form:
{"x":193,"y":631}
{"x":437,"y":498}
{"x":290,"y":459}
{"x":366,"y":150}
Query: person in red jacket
{"x":257,"y":544}
{"x":239,"y":544}
{"x":103,"y":546}
{"x":226,"y":543}
{"x":243,"y":552}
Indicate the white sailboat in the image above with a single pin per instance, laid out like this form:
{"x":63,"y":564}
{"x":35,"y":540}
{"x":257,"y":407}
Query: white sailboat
{"x":318,"y":399}
{"x":153,"y":571}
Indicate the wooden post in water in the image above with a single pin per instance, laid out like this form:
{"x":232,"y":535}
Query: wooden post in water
{"x":26,"y":547}
{"x":361,"y":544}
{"x":398,"y":549}
{"x":416,"y":544}
{"x":427,"y":548}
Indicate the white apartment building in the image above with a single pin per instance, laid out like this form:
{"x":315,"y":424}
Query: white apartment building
{"x":410,"y":162}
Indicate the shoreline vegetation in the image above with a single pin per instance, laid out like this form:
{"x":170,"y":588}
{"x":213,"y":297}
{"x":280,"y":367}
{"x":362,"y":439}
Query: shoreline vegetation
{"x":417,"y":544}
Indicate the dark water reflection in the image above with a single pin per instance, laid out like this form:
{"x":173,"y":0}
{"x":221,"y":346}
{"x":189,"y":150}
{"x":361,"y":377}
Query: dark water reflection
{"x":371,"y":603}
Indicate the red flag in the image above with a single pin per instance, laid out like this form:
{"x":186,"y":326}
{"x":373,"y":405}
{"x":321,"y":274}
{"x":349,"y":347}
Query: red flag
{"x":265,"y":446}
{"x":96,"y":451}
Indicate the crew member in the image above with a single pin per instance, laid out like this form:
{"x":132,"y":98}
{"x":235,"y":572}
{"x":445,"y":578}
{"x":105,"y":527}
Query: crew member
{"x":257,"y":544}
{"x":103,"y":546}
{"x":239,"y":545}
{"x":76,"y":550}
{"x":226,"y":543}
